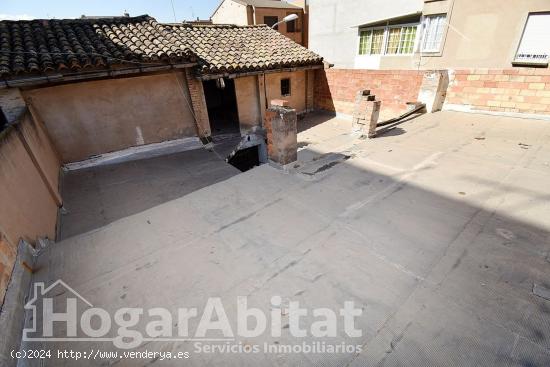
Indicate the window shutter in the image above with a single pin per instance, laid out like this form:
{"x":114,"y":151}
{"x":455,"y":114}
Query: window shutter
{"x":534,"y":46}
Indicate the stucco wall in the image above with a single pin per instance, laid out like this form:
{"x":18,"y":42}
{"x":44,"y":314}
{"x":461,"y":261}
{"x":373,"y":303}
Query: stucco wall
{"x":248,"y":102}
{"x":332,"y":31}
{"x":95,"y":117}
{"x":230,"y":12}
{"x":28,"y":209}
{"x":482,"y":33}
{"x":297,"y":98}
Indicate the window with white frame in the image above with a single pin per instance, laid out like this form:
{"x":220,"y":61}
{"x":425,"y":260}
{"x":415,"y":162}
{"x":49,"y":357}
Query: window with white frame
{"x":534,"y":47}
{"x":371,"y":41}
{"x":401,"y":40}
{"x":433,"y":30}
{"x":388,"y":40}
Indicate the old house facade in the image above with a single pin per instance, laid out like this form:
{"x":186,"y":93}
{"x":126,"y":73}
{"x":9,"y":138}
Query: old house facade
{"x":75,"y":89}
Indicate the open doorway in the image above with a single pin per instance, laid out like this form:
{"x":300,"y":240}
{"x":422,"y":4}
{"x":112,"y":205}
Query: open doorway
{"x":221,"y":102}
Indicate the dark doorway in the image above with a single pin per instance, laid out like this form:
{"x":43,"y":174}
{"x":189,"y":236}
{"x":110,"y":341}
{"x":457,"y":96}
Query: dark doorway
{"x":221,"y":102}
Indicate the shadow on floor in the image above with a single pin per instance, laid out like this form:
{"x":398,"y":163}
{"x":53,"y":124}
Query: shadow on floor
{"x":98,"y":196}
{"x":310,"y":120}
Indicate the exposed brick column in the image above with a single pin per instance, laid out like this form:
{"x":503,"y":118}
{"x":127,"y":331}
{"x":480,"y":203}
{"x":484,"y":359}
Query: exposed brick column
{"x":198,"y":101}
{"x":280,"y":125}
{"x":365,"y":113}
{"x":310,"y":86}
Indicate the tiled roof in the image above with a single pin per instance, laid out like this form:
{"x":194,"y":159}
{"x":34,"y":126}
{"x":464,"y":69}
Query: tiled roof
{"x":42,"y":46}
{"x":231,"y":48}
{"x":39,"y":46}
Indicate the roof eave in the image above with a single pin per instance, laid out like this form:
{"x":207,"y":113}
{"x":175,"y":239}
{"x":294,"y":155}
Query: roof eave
{"x":236,"y":74}
{"x":390,"y":19}
{"x":19,"y":82}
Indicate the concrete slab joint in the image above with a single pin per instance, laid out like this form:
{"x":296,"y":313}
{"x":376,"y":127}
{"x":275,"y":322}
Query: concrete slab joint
{"x":282,"y":142}
{"x":365,"y":113}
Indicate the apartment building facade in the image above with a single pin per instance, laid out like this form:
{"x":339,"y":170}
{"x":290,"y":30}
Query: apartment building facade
{"x":495,"y":54}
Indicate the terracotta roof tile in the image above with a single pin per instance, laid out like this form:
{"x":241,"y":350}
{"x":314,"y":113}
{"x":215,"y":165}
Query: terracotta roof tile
{"x":230,"y":48}
{"x":42,"y":46}
{"x":39,"y":46}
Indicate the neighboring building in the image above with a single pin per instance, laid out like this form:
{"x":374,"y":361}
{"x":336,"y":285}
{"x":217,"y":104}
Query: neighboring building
{"x":198,"y":21}
{"x":412,"y":34}
{"x":251,"y":12}
{"x":333,"y":25}
{"x":495,"y":53}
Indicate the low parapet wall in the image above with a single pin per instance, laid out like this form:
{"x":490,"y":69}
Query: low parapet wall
{"x":335,"y":89}
{"x":517,"y":90}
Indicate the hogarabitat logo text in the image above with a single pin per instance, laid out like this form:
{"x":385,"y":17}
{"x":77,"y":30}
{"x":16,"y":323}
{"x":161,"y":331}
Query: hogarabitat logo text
{"x":130,"y":327}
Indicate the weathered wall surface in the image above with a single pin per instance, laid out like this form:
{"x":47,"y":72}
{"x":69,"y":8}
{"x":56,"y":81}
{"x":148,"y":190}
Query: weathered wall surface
{"x":517,"y":90}
{"x":7,"y":260}
{"x":298,"y":88}
{"x":95,"y":117}
{"x":335,"y":89}
{"x":248,"y":102}
{"x":28,"y":207}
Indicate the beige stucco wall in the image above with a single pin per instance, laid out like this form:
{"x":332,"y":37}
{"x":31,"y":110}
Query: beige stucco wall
{"x":28,"y":209}
{"x":95,"y":117}
{"x":248,"y":102}
{"x":482,"y":33}
{"x":297,"y":98}
{"x":230,"y":12}
{"x":28,"y":206}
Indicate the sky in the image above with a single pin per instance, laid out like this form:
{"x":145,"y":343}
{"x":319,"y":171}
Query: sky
{"x":159,"y":9}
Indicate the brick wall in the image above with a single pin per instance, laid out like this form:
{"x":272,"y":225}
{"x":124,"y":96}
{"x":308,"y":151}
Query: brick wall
{"x":335,"y":89}
{"x":198,"y":101}
{"x":518,"y":90}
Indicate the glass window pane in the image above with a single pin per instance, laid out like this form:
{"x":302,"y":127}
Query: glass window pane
{"x":394,"y":36}
{"x":434,"y":26}
{"x":377,"y":39}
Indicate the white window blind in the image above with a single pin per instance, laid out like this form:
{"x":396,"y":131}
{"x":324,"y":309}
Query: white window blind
{"x":434,"y":26}
{"x":534,"y":47}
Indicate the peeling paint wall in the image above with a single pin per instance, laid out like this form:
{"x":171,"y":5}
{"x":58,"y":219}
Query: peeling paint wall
{"x":95,"y":117}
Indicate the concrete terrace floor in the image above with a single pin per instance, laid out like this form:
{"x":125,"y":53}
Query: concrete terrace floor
{"x":438,"y":229}
{"x":96,"y":196}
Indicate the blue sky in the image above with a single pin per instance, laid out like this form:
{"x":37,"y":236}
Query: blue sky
{"x":160,"y":9}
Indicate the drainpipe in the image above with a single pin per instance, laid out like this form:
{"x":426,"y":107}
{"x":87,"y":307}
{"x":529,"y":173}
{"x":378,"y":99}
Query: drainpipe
{"x":254,"y":14}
